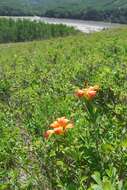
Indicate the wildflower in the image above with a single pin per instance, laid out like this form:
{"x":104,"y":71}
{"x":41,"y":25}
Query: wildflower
{"x":59,"y":131}
{"x":55,"y":124}
{"x":59,"y":126}
{"x":69,"y":126}
{"x":62,"y":121}
{"x":48,"y":133}
{"x":90,"y":94}
{"x":79,"y":93}
{"x":95,"y":88}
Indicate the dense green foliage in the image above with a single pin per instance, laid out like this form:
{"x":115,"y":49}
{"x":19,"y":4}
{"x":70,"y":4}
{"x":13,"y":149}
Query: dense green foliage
{"x":115,"y":15}
{"x":106,"y":10}
{"x":25,"y":30}
{"x":37,"y":85}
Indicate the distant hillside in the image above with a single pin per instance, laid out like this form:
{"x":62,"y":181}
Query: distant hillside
{"x":15,"y":7}
{"x":98,"y":4}
{"x":45,"y":5}
{"x":109,"y":10}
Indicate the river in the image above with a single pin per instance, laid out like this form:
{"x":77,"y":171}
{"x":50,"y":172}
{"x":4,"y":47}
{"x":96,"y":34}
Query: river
{"x":83,"y":26}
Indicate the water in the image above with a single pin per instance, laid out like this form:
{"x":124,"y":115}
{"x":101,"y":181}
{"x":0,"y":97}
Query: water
{"x":84,"y":26}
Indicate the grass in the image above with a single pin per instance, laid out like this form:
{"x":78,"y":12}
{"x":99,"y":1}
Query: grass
{"x":37,"y":85}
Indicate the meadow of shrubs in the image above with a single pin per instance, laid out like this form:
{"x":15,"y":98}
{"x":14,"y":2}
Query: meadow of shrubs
{"x":63,"y":113}
{"x":20,"y":30}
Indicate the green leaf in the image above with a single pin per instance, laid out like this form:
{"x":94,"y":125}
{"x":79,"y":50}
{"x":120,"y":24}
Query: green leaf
{"x":60,"y":163}
{"x":107,"y":147}
{"x":120,"y":185}
{"x":107,"y":185}
{"x":96,"y":187}
{"x":4,"y":187}
{"x":96,"y":176}
{"x":124,"y":143}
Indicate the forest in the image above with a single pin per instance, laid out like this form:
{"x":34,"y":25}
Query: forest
{"x":25,"y":30}
{"x":115,"y":15}
{"x":105,"y":10}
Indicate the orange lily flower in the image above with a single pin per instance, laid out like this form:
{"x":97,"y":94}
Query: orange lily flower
{"x":59,"y":126}
{"x":69,"y":126}
{"x":79,"y":93}
{"x":94,"y":88}
{"x":90,"y":94}
{"x":48,"y":133}
{"x":62,"y":121}
{"x":59,"y":131}
{"x":55,"y":124}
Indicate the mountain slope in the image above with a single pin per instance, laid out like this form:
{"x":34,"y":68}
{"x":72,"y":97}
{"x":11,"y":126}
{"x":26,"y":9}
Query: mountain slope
{"x":8,"y":6}
{"x":97,"y":4}
{"x":50,"y":4}
{"x":102,"y":4}
{"x":108,"y":10}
